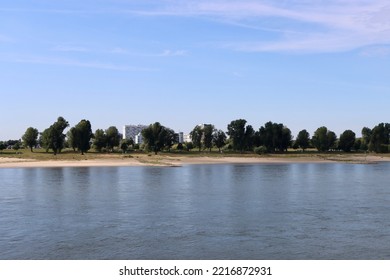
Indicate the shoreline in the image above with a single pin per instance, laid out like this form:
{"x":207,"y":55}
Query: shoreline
{"x":177,"y":161}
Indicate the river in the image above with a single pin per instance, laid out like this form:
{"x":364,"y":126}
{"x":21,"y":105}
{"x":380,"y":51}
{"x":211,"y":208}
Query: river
{"x":248,"y":211}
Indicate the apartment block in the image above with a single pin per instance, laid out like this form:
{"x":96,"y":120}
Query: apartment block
{"x":131,"y":131}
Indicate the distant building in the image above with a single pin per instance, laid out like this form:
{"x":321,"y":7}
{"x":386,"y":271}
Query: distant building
{"x":130,"y":131}
{"x":187,"y":138}
{"x":179,"y":137}
{"x":138,"y":139}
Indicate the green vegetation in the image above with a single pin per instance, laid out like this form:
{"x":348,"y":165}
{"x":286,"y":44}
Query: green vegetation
{"x":303,"y":140}
{"x":347,"y":140}
{"x":275,"y":137}
{"x":243,"y":140}
{"x":240,"y":135}
{"x":156,"y":137}
{"x":324,"y":139}
{"x":53,"y":137}
{"x":30,"y":138}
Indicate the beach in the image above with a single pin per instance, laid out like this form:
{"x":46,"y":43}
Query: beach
{"x":176,"y":161}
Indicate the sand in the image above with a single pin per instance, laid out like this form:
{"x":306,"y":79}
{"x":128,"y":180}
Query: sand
{"x":174,"y":161}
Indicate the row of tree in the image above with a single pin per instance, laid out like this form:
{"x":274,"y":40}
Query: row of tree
{"x":270,"y":138}
{"x":276,"y":137}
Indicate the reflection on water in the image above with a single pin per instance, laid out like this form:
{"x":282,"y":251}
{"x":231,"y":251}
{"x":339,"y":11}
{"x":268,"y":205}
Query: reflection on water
{"x":279,"y":211}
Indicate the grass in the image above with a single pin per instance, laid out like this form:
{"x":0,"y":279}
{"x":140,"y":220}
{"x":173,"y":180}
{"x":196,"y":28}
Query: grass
{"x":42,"y":155}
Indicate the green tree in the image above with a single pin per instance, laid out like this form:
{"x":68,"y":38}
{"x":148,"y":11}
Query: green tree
{"x":358,"y":144}
{"x":2,"y":146}
{"x":44,"y":139}
{"x":286,"y":139}
{"x":154,"y":137}
{"x":180,"y":147}
{"x":249,"y":137}
{"x":53,"y":137}
{"x":30,"y":138}
{"x":380,"y":138}
{"x":347,"y":140}
{"x":16,"y":146}
{"x":366,"y":133}
{"x":208,"y":132}
{"x":196,"y":136}
{"x":72,"y":138}
{"x":83,"y":136}
{"x":125,"y":144}
{"x":303,"y":139}
{"x":189,"y":146}
{"x":170,"y":138}
{"x":219,"y":139}
{"x":275,"y":137}
{"x":366,"y":137}
{"x":323,"y":139}
{"x":237,"y":132}
{"x":113,"y":138}
{"x":100,"y":140}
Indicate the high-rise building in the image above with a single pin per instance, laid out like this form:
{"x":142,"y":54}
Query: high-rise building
{"x":130,"y":131}
{"x":179,"y":137}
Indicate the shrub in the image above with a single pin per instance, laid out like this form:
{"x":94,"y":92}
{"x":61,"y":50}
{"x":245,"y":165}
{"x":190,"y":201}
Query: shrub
{"x":260,"y":150}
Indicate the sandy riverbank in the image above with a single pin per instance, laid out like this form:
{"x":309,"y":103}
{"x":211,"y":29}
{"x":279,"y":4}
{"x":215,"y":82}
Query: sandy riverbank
{"x":166,"y":160}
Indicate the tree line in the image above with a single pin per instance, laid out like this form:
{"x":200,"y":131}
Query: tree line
{"x":240,"y":137}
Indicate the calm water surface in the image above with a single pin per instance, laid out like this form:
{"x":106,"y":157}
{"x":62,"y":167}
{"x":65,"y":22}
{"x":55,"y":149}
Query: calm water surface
{"x":279,"y":211}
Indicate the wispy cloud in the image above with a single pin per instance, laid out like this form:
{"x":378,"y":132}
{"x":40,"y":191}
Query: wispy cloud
{"x":57,"y":61}
{"x":65,"y":48}
{"x":167,"y":53}
{"x":164,"y":53}
{"x":376,"y":51}
{"x":301,"y":25}
{"x":294,"y":25}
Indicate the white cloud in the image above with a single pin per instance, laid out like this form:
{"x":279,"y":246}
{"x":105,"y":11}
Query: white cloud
{"x":302,"y":25}
{"x":164,"y":53}
{"x":376,"y":51}
{"x":71,"y":62}
{"x":295,"y":25}
{"x":173,"y":53}
{"x":65,"y":48}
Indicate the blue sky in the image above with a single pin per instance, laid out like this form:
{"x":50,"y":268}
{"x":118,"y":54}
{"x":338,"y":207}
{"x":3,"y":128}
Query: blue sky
{"x":115,"y":62}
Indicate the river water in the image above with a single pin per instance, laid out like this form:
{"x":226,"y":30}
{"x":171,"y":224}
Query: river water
{"x":263,"y":211}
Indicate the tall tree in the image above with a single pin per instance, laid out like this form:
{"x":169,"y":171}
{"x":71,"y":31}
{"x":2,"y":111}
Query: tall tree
{"x":249,"y":137}
{"x":113,"y":137}
{"x":72,"y":138}
{"x":196,"y":136}
{"x":347,"y":140}
{"x":208,"y":132}
{"x":154,"y":137}
{"x":44,"y":139}
{"x":219,"y":139}
{"x":236,"y":131}
{"x":170,"y":138}
{"x":83,"y":135}
{"x":57,"y":134}
{"x":303,"y":139}
{"x":380,"y":138}
{"x":286,"y":139}
{"x":275,"y":137}
{"x":54,"y":137}
{"x":100,"y":140}
{"x":30,"y":138}
{"x":366,"y":133}
{"x":323,"y":139}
